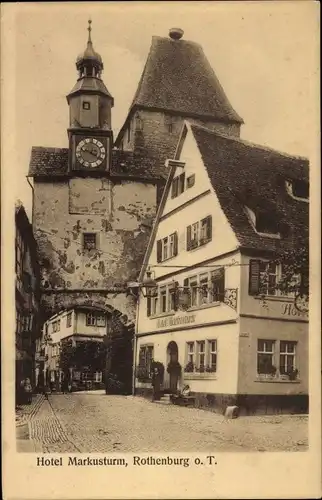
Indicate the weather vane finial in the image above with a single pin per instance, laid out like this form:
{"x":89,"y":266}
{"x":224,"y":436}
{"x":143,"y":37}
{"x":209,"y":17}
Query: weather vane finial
{"x":89,"y":31}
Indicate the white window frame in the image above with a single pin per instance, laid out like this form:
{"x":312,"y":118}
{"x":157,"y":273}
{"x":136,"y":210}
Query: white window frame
{"x":191,"y":353}
{"x":266,"y":352}
{"x":211,"y":352}
{"x":201,"y":354}
{"x":286,"y":354}
{"x":90,"y":319}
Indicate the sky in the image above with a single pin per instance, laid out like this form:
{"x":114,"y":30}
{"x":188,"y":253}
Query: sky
{"x":264,"y":53}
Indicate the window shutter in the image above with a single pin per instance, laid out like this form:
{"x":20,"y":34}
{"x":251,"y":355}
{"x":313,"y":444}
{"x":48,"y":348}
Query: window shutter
{"x":209,"y":227}
{"x":148,"y":306}
{"x":175,"y":244}
{"x":254,"y":277}
{"x":188,"y":237}
{"x":176,"y":296}
{"x":159,"y":251}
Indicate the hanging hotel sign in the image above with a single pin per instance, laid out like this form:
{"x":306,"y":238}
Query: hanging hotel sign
{"x":176,"y":321}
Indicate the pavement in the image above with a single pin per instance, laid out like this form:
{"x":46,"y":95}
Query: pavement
{"x":91,"y":421}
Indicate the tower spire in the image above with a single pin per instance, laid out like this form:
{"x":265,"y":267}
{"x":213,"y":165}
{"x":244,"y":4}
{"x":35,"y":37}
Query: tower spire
{"x":89,"y":32}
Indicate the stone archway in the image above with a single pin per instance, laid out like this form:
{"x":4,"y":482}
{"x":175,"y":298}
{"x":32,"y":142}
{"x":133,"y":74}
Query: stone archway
{"x":117,"y":338}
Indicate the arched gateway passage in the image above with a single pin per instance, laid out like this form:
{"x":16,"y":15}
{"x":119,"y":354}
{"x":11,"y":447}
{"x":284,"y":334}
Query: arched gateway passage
{"x":84,"y":325}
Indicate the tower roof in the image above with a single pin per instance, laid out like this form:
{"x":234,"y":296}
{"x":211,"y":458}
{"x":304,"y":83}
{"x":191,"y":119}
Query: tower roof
{"x":89,"y":54}
{"x":177,"y":77}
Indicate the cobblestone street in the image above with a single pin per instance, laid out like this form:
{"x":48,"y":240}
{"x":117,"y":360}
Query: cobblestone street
{"x":91,"y":422}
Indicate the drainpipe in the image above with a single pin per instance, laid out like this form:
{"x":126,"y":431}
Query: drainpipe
{"x":135,"y":341}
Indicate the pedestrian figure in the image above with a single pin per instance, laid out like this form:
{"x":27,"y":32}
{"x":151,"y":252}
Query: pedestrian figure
{"x":156,"y":383}
{"x":28,"y":391}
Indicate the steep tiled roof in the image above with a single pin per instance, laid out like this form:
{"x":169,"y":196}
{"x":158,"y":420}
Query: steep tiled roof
{"x":242,"y":174}
{"x":178,"y":77}
{"x":48,"y":162}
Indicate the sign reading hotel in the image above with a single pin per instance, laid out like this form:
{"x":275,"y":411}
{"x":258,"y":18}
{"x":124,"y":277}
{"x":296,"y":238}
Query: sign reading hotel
{"x":175,"y":321}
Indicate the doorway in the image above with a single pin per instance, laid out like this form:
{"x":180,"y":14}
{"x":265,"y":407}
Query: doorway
{"x":172,"y":356}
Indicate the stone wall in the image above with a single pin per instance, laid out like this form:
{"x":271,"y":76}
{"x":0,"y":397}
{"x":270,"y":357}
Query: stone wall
{"x":121,"y":216}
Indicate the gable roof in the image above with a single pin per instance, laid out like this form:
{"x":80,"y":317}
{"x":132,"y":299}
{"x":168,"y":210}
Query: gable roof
{"x":178,"y":78}
{"x":53,"y":162}
{"x":245,"y":174}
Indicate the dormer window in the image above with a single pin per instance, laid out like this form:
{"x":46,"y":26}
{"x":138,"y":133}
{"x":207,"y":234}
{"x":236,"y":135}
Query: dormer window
{"x":264,"y":223}
{"x":299,"y":190}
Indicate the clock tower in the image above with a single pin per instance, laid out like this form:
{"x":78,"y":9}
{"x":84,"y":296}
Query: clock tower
{"x":90,"y":103}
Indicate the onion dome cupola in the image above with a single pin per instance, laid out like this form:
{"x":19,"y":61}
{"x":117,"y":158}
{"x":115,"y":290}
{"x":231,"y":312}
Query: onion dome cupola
{"x":89,"y":101}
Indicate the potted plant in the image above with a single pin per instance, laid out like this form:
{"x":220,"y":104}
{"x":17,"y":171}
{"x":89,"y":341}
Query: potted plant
{"x":292,"y":374}
{"x":189,"y":368}
{"x":210,"y":369}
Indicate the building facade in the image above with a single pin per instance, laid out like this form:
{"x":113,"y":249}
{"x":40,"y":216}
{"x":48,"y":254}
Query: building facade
{"x":95,"y":201}
{"x":78,"y":328}
{"x":27,"y":299}
{"x":227,"y":212}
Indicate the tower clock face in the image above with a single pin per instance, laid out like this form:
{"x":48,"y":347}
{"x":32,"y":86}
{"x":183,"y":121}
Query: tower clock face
{"x":90,"y":152}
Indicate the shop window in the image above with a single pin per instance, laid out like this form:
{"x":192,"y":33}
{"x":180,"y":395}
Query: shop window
{"x":144,"y":367}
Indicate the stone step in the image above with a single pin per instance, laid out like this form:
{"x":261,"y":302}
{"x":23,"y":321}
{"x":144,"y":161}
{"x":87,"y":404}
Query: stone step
{"x":163,"y":402}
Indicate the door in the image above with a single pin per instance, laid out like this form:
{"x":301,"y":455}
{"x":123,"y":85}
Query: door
{"x":172,"y":352}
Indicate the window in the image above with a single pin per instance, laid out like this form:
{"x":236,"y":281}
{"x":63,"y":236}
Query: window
{"x":201,"y":355}
{"x":166,"y":300}
{"x":170,"y":128}
{"x":268,"y":278}
{"x":163,"y":299}
{"x":264,"y":278}
{"x":203,"y":290}
{"x":100,"y":320}
{"x":58,"y":325}
{"x":178,"y":185}
{"x":217,"y":285}
{"x":95,"y":319}
{"x":212,"y":354}
{"x":69,"y":320}
{"x":129,"y":133}
{"x":199,"y":233}
{"x":89,"y":241}
{"x":145,"y":361}
{"x":98,"y":377}
{"x":55,"y":326}
{"x":287,"y":357}
{"x":191,"y":181}
{"x":191,"y":352}
{"x":90,"y":319}
{"x":86,"y":105}
{"x":265,"y":354}
{"x":193,"y":284}
{"x":167,"y":247}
